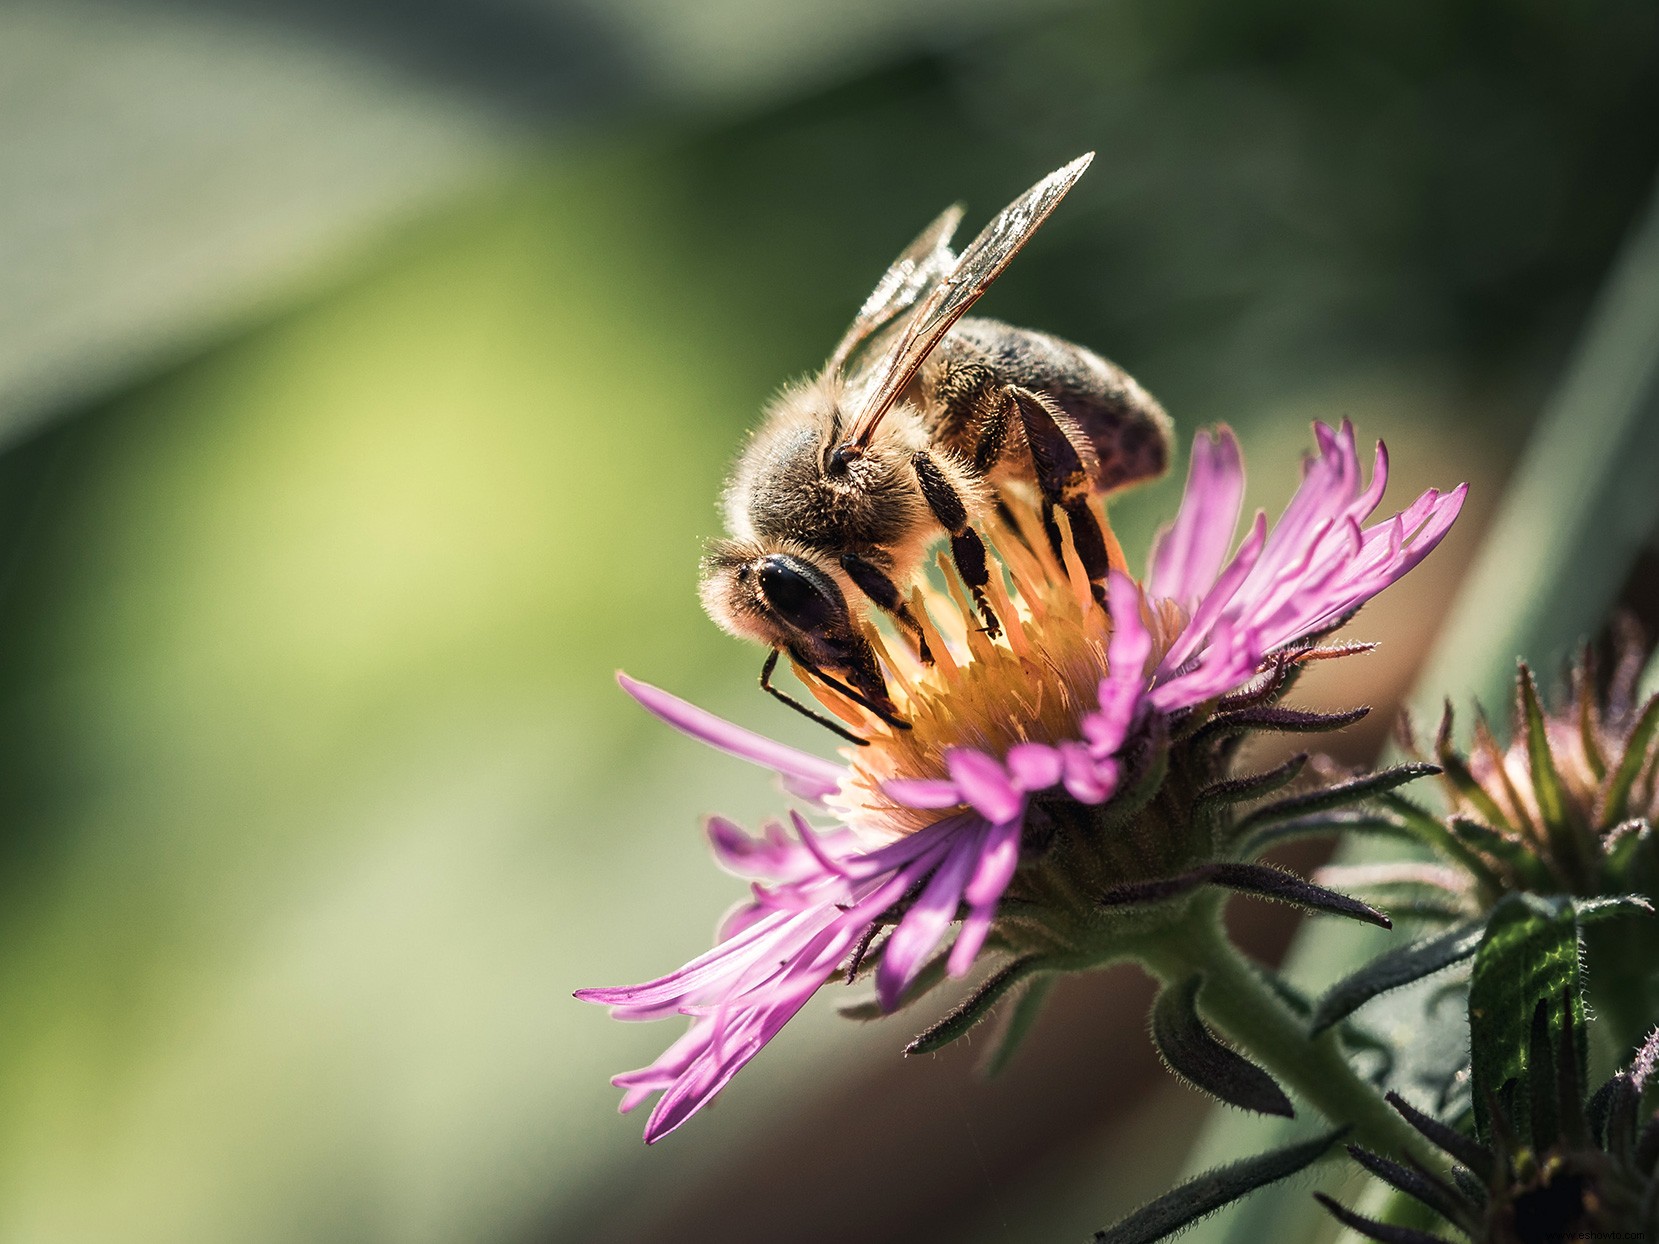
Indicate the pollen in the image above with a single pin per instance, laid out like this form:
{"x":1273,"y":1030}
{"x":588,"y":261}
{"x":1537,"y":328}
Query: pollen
{"x":1032,"y":683}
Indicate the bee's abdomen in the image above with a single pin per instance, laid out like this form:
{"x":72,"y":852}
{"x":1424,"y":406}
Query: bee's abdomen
{"x":1130,"y":432}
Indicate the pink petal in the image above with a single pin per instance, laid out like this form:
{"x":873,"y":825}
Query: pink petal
{"x":923,"y":793}
{"x":984,"y":784}
{"x":1187,"y":558}
{"x":924,"y":925}
{"x":810,"y":776}
{"x":1124,"y":686}
{"x":1082,"y":776}
{"x":1033,"y":766}
{"x":999,"y":856}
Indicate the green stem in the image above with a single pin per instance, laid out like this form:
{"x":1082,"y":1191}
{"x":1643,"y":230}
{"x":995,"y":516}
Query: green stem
{"x":1238,"y":1001}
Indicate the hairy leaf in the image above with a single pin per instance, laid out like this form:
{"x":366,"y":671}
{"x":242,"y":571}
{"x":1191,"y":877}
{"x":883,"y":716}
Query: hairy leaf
{"x":1371,"y":1229}
{"x":1393,"y":968}
{"x":1207,"y":1193}
{"x":1529,"y":951}
{"x":1194,"y":1054}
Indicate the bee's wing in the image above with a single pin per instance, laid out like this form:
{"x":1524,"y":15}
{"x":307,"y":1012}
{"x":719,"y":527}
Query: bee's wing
{"x":980,"y":264}
{"x":919,"y":267}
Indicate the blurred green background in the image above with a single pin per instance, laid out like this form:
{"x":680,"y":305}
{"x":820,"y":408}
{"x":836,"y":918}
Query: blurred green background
{"x":367,"y":375}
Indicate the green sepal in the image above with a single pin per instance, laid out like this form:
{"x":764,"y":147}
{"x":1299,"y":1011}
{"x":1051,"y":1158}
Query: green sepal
{"x":1251,"y":786}
{"x":1203,"y":1195}
{"x":931,"y":975}
{"x":1194,"y":1055}
{"x":1394,"y":968}
{"x":1371,"y":1229}
{"x":1583,"y":694}
{"x":1460,"y":778}
{"x":1530,"y":951}
{"x":1510,"y":852}
{"x":1260,"y":880}
{"x":1320,"y":825}
{"x":1420,"y":1184}
{"x":1614,"y":802}
{"x":1338,"y":796}
{"x":977,"y":1005}
{"x":1440,"y":837}
{"x":1555,"y":809}
{"x":1129,"y":801}
{"x":1446,"y":1138}
{"x":1273,"y":720}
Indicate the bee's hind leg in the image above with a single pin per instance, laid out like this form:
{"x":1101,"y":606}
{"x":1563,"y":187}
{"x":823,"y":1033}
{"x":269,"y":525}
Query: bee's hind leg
{"x":1063,"y":481}
{"x":967,"y":549}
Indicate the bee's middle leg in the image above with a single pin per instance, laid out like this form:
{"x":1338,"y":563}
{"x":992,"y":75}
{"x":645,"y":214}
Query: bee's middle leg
{"x":875,"y":584}
{"x":1063,"y":480}
{"x":967,"y":549}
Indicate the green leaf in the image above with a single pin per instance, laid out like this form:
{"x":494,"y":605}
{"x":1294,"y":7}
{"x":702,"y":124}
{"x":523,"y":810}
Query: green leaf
{"x":1183,"y":1206}
{"x":1530,"y":951}
{"x":1194,"y":1055}
{"x":1393,"y":969}
{"x":1595,"y":910}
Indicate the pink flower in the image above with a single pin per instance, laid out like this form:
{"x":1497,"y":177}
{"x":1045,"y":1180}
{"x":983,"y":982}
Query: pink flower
{"x":1070,"y":705}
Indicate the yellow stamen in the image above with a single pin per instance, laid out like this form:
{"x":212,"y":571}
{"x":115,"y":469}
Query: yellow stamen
{"x":1032,"y":683}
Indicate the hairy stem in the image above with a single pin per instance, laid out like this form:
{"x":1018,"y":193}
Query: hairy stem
{"x":1242,"y":1005}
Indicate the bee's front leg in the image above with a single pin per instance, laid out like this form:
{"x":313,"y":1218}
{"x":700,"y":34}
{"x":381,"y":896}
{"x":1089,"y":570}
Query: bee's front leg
{"x":1063,"y":480}
{"x":967,"y":549}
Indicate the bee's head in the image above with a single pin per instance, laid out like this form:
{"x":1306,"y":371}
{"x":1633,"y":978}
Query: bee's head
{"x":788,"y":597}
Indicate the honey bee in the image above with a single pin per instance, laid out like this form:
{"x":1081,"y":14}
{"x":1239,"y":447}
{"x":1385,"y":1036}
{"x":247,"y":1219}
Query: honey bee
{"x":918,"y":423}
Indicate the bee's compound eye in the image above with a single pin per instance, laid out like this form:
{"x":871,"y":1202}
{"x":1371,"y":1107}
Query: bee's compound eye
{"x":798,"y":593}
